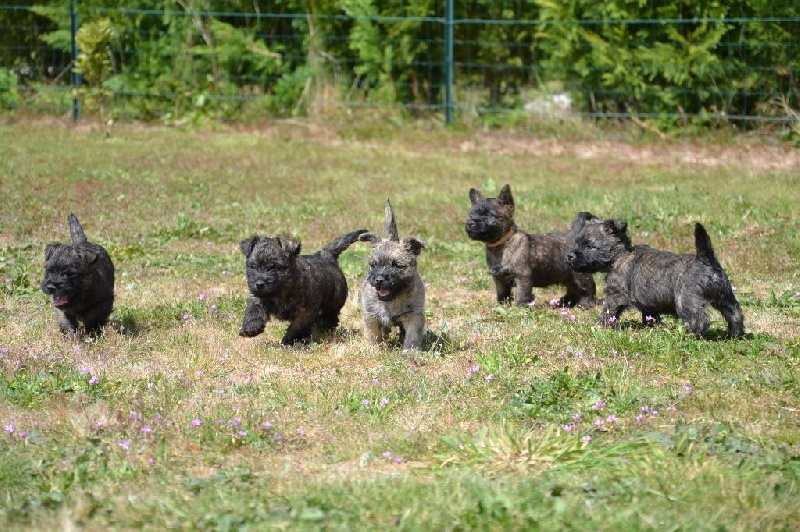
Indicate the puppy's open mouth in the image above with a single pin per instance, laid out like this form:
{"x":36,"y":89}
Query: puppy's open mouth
{"x":384,"y":293}
{"x":60,"y":301}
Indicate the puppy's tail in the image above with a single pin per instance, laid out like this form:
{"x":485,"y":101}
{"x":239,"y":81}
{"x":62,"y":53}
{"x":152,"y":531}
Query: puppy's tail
{"x":581,"y":219}
{"x":76,"y":231}
{"x":702,"y":244}
{"x":340,"y":244}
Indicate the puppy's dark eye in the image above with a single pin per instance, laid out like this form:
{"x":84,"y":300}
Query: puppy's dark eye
{"x":373,"y":263}
{"x":398,"y":265}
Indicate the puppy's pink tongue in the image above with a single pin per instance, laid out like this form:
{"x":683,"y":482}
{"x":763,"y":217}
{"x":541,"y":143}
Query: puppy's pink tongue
{"x":383,"y":292}
{"x":60,"y":301}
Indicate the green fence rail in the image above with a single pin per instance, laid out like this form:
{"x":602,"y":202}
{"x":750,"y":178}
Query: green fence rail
{"x":666,"y":62}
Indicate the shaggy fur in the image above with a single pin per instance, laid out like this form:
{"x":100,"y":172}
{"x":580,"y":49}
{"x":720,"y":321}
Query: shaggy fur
{"x":521,"y":260}
{"x":393,"y":293}
{"x":80,"y":278}
{"x":656,"y":282}
{"x":306,"y":290}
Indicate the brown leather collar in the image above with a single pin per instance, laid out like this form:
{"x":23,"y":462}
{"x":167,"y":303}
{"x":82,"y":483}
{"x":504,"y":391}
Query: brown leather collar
{"x":503,"y":239}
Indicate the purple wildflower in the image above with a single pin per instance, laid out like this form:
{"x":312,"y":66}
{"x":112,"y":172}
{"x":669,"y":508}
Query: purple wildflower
{"x":94,"y":380}
{"x":586,"y":439}
{"x":384,"y":402}
{"x":611,"y":418}
{"x":10,"y":428}
{"x":125,"y":444}
{"x":599,"y":405}
{"x":196,"y":422}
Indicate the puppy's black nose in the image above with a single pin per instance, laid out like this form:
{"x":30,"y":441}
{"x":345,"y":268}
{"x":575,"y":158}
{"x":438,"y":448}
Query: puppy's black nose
{"x":470,"y":224}
{"x":259,"y":285}
{"x":570,"y":256}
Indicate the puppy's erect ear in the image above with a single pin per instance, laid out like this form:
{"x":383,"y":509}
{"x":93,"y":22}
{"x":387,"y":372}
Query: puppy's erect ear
{"x":289,"y":245}
{"x":505,"y":197}
{"x":615,"y":227}
{"x":87,"y":255}
{"x":475,"y":196}
{"x":51,"y":248}
{"x":413,"y":244}
{"x":372,"y":238}
{"x":248,"y":244}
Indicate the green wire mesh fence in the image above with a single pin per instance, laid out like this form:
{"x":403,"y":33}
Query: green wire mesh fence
{"x":666,"y":62}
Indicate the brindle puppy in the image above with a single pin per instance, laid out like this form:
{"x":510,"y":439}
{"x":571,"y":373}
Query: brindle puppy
{"x":656,"y":282}
{"x":80,"y":277}
{"x":306,"y":290}
{"x":393,"y":293}
{"x":522,"y":260}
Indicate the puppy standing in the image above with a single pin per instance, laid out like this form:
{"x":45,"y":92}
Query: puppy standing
{"x":80,"y":277}
{"x":656,"y":282}
{"x":306,"y":290}
{"x":522,"y":260}
{"x":393,"y":293}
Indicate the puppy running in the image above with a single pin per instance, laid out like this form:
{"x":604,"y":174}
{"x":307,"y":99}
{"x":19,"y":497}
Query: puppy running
{"x":393,"y":293}
{"x":80,"y":277}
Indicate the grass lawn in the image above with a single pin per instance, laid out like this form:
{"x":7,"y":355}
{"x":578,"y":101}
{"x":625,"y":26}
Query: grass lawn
{"x":513,"y":418}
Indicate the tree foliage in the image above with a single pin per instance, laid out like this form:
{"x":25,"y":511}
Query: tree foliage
{"x":225,"y":58}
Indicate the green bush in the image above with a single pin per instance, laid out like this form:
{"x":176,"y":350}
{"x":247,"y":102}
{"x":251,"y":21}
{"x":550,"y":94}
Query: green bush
{"x":9,"y":99}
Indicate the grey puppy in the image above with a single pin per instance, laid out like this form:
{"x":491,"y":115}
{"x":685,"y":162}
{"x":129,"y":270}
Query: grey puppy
{"x":306,"y":290}
{"x":522,"y":260}
{"x":80,"y":277}
{"x":656,"y":282}
{"x":393,"y":293}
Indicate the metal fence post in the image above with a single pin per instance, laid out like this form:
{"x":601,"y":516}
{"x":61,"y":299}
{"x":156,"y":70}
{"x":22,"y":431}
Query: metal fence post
{"x":448,"y":61}
{"x":74,"y":76}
